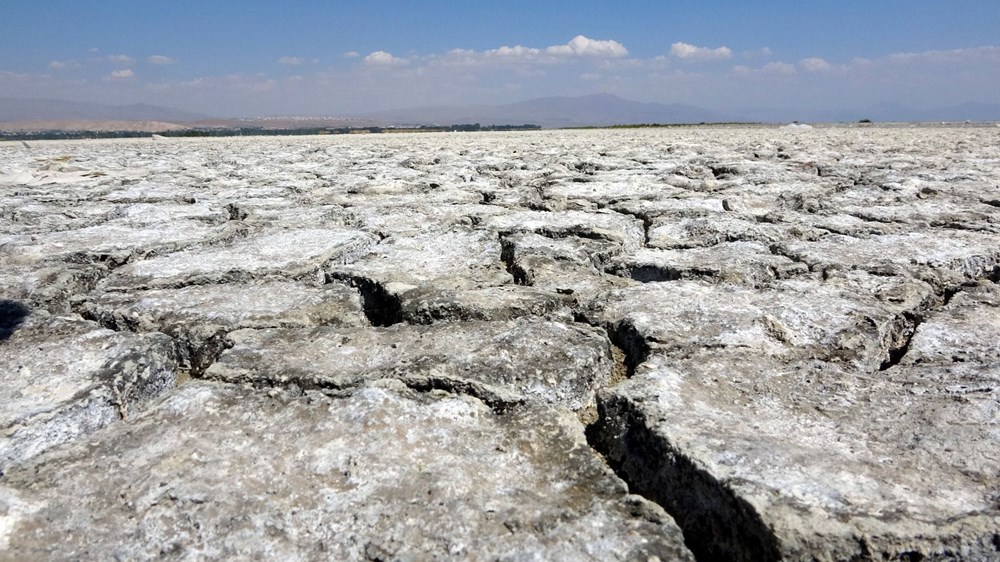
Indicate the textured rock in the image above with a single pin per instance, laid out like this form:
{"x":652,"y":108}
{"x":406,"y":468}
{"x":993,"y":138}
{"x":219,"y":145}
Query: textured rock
{"x":458,"y":258}
{"x":290,"y":253}
{"x":502,"y":363}
{"x":116,"y":243}
{"x":735,"y":262}
{"x":841,"y":321}
{"x":64,"y":378}
{"x":425,"y":306}
{"x":774,"y":426}
{"x":784,"y":336}
{"x":198,"y":317}
{"x":380,"y":474}
{"x":762,"y":459}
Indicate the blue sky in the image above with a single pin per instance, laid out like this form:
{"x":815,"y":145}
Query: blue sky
{"x":242,"y":59}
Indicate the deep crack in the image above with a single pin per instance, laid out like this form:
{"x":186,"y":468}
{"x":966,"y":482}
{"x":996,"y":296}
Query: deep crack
{"x":381,"y":307}
{"x":717,"y":523}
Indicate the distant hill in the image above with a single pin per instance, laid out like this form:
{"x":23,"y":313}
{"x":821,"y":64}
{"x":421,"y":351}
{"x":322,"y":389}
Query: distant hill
{"x":23,"y":110}
{"x":599,"y":109}
{"x":89,"y":125}
{"x":882,"y":112}
{"x":21,"y":114}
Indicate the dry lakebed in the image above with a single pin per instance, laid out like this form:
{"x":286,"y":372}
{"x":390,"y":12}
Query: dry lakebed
{"x":701,"y":343}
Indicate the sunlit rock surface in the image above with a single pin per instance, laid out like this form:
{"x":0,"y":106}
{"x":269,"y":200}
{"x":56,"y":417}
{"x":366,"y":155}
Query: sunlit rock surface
{"x":722,"y":343}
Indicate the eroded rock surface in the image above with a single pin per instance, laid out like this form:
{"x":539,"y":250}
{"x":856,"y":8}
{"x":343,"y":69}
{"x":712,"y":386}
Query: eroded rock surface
{"x":441,"y":346}
{"x":64,"y":378}
{"x":503,"y":363}
{"x":382,"y":473}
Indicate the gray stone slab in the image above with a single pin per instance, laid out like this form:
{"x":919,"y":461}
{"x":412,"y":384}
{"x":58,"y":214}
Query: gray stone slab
{"x":292,"y":253}
{"x":111,"y":242}
{"x":946,"y":257}
{"x":425,"y":306}
{"x":765,"y":459}
{"x":624,"y":231}
{"x":503,"y":363}
{"x":459,"y":258}
{"x":732,"y":262}
{"x":221,"y":472}
{"x":64,"y":378}
{"x":198,"y":317}
{"x":853,"y":320}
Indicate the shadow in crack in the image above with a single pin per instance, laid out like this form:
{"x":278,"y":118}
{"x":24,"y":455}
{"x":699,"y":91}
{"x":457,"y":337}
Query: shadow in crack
{"x":12,"y":314}
{"x":717,"y":523}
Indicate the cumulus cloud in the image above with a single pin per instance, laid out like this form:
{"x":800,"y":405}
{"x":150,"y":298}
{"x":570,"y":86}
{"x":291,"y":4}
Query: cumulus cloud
{"x":517,"y":51}
{"x":125,"y":74}
{"x":160,"y":60}
{"x":580,"y":47}
{"x":123,"y":60}
{"x":382,"y":58}
{"x":687,"y":51}
{"x":291,"y":61}
{"x":814,"y":64}
{"x":586,"y":47}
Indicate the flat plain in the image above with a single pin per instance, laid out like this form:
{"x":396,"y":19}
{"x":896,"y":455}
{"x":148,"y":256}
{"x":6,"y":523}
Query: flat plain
{"x":711,"y":343}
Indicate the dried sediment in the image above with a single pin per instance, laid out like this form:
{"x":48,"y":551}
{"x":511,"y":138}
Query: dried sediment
{"x":484,"y":345}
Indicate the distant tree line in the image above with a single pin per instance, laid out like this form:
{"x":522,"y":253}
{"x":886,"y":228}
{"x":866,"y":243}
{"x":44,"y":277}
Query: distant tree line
{"x":258,"y":131}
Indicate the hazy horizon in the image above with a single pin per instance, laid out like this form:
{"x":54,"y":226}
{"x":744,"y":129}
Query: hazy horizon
{"x":232,"y":60}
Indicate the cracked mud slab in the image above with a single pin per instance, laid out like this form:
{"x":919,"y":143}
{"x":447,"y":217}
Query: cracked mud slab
{"x":382,"y":473}
{"x":198,"y":317}
{"x":785,"y":338}
{"x":503,"y":363}
{"x":64,"y":378}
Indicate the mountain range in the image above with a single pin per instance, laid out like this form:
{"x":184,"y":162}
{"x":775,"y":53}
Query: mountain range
{"x":25,"y":109}
{"x":549,"y":112}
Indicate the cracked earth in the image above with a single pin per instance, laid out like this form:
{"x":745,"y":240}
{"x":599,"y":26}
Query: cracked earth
{"x":664,"y":344}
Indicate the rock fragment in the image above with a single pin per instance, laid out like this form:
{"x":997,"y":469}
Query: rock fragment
{"x":198,"y":317}
{"x":502,"y":363}
{"x":382,"y":473}
{"x":293,"y":253}
{"x":64,"y":378}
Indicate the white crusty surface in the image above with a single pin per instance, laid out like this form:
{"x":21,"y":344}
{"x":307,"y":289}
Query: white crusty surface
{"x":440,"y":346}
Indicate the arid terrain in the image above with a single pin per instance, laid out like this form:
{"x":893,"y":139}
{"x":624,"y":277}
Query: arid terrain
{"x":719,"y":343}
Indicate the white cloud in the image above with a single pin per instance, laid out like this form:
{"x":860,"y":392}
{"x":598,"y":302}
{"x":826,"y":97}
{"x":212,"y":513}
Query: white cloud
{"x":950,"y":56}
{"x":778,"y":68}
{"x":160,"y":59}
{"x":60,"y":64}
{"x":586,"y":47}
{"x":814,"y":64}
{"x":769,"y":68}
{"x":517,"y":51}
{"x":125,"y":74}
{"x":382,"y":58}
{"x":686,"y":51}
{"x":123,"y":60}
{"x":351,"y":55}
{"x":291,"y":61}
{"x":762,"y":52}
{"x":577,"y":48}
